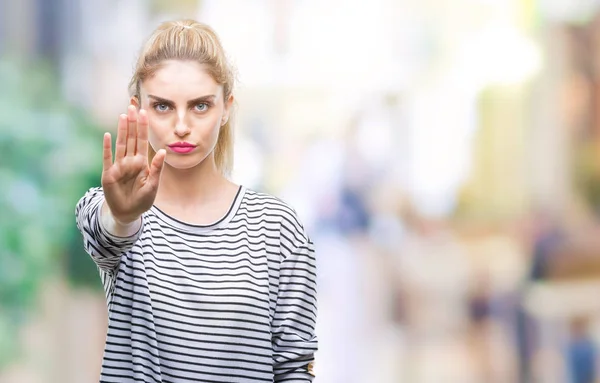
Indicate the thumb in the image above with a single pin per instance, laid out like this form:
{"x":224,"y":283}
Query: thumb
{"x":156,"y":166}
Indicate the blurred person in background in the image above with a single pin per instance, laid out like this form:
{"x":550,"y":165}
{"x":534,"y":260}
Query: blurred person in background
{"x":545,"y":235}
{"x":431,"y":262}
{"x":205,"y":279}
{"x":582,"y":354}
{"x":563,"y":255}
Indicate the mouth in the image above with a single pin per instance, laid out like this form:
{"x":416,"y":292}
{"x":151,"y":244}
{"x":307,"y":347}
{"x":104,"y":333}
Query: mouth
{"x":182,"y":147}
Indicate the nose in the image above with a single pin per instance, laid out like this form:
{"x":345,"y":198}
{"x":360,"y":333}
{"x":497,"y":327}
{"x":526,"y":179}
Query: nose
{"x":181,"y":128}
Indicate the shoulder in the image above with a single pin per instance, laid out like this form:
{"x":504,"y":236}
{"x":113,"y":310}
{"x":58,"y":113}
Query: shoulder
{"x":270,"y":205}
{"x":277,"y":209}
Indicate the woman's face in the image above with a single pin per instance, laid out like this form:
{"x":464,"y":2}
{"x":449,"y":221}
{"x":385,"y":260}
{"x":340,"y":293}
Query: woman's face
{"x":186,"y":110}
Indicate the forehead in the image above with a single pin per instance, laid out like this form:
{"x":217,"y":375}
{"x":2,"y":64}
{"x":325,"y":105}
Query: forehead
{"x":181,"y":80}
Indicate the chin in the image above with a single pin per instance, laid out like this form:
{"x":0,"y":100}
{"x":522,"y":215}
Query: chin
{"x":182,"y":165}
{"x":183,"y":162}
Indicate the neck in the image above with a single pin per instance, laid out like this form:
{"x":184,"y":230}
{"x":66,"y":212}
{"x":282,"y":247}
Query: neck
{"x":194,"y":186}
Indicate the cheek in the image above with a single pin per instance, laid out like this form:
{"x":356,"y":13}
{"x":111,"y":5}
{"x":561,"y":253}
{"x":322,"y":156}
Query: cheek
{"x":156,"y":130}
{"x":209,"y":124}
{"x":216,"y":129}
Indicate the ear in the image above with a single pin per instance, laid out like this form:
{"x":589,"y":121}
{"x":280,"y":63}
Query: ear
{"x":227,"y":111}
{"x":135,"y":102}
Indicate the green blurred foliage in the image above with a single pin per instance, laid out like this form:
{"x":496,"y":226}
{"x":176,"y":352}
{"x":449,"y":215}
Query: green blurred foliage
{"x":51,"y":154}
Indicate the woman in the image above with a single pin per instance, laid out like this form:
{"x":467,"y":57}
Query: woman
{"x":206,"y":281}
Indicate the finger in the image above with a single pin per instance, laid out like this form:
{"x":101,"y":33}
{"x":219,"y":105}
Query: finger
{"x":121,"y":145}
{"x":131,"y":130}
{"x":107,"y":152}
{"x":142,"y":138}
{"x":156,"y":167}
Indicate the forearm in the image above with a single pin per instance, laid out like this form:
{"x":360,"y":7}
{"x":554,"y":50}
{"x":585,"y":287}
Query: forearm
{"x":104,"y":239}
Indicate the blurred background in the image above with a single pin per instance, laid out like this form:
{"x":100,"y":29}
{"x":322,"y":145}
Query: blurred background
{"x":444,"y":156}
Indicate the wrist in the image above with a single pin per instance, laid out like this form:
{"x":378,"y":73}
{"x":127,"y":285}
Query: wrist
{"x":125,"y":222}
{"x":120,"y":227}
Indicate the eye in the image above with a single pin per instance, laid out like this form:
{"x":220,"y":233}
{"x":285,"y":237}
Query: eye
{"x":202,"y":107}
{"x":161,"y":108}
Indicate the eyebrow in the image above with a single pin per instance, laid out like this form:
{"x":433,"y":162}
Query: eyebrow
{"x":197,"y":100}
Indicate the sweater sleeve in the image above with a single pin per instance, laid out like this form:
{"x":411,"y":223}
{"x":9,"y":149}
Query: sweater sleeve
{"x":293,"y":327}
{"x":104,"y":248}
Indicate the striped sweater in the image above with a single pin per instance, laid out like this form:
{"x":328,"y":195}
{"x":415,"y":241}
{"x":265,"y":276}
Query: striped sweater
{"x":234,"y":301}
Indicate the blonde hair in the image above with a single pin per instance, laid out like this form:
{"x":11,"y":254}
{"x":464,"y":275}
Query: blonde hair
{"x":195,"y":41}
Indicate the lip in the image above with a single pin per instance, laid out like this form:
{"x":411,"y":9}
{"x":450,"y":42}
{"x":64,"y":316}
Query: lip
{"x":182,"y":147}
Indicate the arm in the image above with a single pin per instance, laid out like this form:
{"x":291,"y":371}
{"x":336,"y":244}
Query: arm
{"x":293,"y":327}
{"x":104,"y":239}
{"x":109,"y":217}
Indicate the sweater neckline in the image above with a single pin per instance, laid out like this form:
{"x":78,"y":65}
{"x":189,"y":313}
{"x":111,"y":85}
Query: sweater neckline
{"x":189,"y":227}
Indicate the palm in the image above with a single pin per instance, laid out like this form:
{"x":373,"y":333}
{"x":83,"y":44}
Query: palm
{"x":129,"y":183}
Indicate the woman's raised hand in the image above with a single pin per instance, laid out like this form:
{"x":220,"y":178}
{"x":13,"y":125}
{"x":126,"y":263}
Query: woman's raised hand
{"x":130,"y":183}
